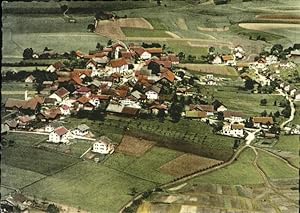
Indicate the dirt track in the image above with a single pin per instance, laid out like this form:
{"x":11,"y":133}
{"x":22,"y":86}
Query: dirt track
{"x":181,"y":24}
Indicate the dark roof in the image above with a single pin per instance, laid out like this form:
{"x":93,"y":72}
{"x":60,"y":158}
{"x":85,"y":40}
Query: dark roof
{"x":130,"y":111}
{"x":62,"y":92}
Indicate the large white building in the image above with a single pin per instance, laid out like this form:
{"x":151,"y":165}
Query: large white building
{"x":103,"y":146}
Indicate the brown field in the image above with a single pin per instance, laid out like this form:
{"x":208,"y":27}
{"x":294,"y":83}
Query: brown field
{"x":112,"y":29}
{"x":134,"y":146}
{"x":280,"y":18}
{"x":209,"y":68}
{"x":181,"y":24}
{"x":187,"y":164}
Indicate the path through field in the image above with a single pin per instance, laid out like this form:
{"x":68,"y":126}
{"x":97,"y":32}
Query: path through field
{"x":181,"y":24}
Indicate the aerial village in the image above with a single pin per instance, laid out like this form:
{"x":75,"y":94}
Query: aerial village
{"x":133,"y":80}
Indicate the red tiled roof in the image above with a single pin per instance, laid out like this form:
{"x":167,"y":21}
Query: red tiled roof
{"x":62,"y":92}
{"x":83,"y":89}
{"x":87,"y":72}
{"x":118,"y":62}
{"x":51,"y":113}
{"x":167,"y":74}
{"x":83,"y":99}
{"x":61,"y":131}
{"x":154,"y":50}
{"x":130,"y":111}
{"x":139,"y":50}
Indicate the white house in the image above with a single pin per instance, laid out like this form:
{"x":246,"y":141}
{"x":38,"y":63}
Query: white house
{"x":239,"y":52}
{"x":81,"y":130}
{"x":233,"y":116}
{"x":234,"y":130}
{"x":103,"y":146}
{"x":65,"y":110}
{"x":145,"y":55}
{"x":221,"y":108}
{"x":271,"y":59}
{"x":151,"y":95}
{"x":30,"y":79}
{"x":59,"y":135}
{"x":60,"y":95}
{"x":217,"y":60}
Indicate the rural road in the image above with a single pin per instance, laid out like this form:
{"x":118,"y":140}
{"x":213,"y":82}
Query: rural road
{"x":293,"y":110}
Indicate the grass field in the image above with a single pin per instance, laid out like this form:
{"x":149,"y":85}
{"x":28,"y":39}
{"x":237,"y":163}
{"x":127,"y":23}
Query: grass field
{"x":90,"y":186}
{"x":137,"y":32}
{"x":212,"y":69}
{"x":33,"y":159}
{"x":275,"y":168}
{"x":18,"y":178}
{"x":241,"y":172}
{"x":147,"y":166}
{"x":249,"y":103}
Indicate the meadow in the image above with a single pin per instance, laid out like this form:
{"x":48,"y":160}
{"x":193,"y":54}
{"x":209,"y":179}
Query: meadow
{"x":242,"y":171}
{"x":89,"y":186}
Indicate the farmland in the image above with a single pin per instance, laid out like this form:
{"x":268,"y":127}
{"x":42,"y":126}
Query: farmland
{"x":92,"y":181}
{"x":275,"y":168}
{"x":241,"y":171}
{"x":212,"y":69}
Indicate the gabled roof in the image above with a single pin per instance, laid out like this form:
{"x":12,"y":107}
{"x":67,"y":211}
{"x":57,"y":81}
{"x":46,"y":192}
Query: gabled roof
{"x":169,"y":75}
{"x":83,"y":127}
{"x":228,"y":114}
{"x":80,"y":72}
{"x":23,"y":104}
{"x":139,"y":50}
{"x":83,"y":100}
{"x":51,"y":113}
{"x":263,"y":120}
{"x":130,"y":111}
{"x":237,"y":126}
{"x":195,"y":114}
{"x":227,"y":57}
{"x":61,"y":131}
{"x":154,"y":50}
{"x":83,"y":89}
{"x":118,"y":62}
{"x":62,"y":92}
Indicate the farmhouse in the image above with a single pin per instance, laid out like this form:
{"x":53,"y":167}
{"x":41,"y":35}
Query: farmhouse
{"x":233,"y":116}
{"x":264,"y":122}
{"x":234,"y":130}
{"x":103,"y":146}
{"x":81,"y":130}
{"x":59,"y":135}
{"x":60,"y":95}
{"x":195,"y":114}
{"x":119,"y":65}
{"x":228,"y":59}
{"x":142,"y":53}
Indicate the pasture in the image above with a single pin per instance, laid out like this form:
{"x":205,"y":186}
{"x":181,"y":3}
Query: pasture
{"x":101,"y":187}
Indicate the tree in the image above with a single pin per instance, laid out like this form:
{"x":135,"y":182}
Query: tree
{"x":175,"y":111}
{"x":161,"y":115}
{"x":277,"y":114}
{"x":91,"y":27}
{"x":211,"y":49}
{"x":286,"y":112}
{"x":249,"y":84}
{"x":264,"y":113}
{"x":275,"y":103}
{"x":133,"y":191}
{"x":52,"y":209}
{"x":109,"y":42}
{"x":27,"y":53}
{"x":99,"y":46}
{"x":218,"y":126}
{"x":276,"y":49}
{"x":158,"y":2}
{"x":263,"y":102}
{"x":181,"y":56}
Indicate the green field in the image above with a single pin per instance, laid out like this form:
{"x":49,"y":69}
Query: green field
{"x":33,"y":159}
{"x":137,"y":32}
{"x":90,"y":186}
{"x":275,"y":168}
{"x":146,"y":166}
{"x":248,"y":103}
{"x":18,"y":178}
{"x":241,"y":172}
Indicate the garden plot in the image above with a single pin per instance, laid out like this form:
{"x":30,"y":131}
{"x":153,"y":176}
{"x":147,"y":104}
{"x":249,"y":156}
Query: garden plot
{"x":134,"y":146}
